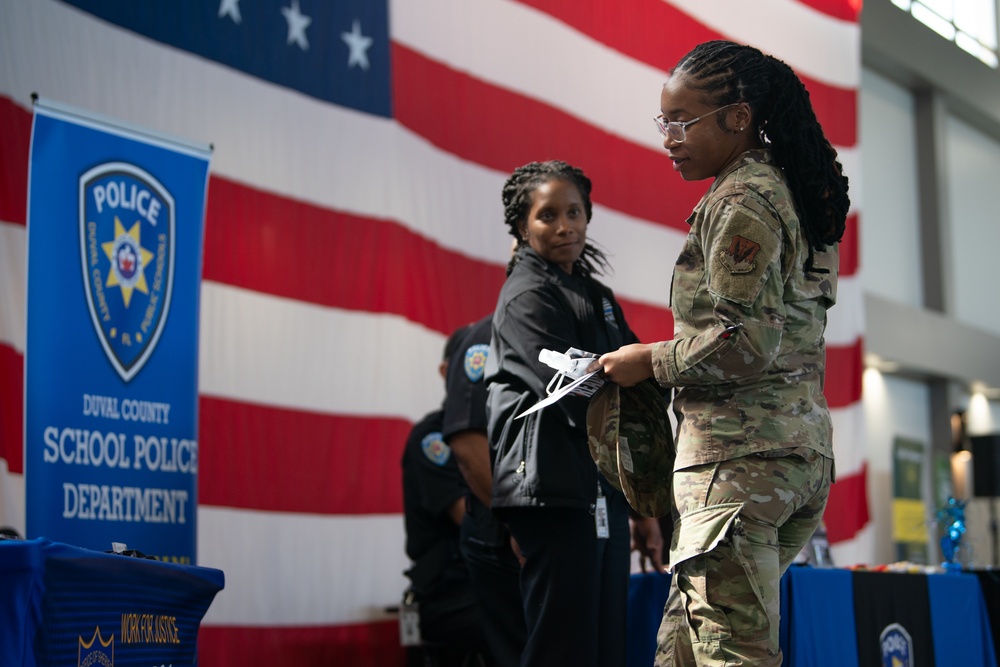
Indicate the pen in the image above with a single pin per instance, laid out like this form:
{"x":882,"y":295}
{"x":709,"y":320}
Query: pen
{"x":730,"y":330}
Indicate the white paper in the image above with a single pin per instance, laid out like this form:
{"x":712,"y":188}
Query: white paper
{"x":584,"y":386}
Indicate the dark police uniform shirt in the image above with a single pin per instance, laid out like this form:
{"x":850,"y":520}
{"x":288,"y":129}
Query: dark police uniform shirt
{"x":465,"y":401}
{"x":465,"y":410}
{"x":432,"y":482}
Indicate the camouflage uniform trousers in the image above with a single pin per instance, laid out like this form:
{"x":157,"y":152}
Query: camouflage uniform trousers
{"x":739,"y":525}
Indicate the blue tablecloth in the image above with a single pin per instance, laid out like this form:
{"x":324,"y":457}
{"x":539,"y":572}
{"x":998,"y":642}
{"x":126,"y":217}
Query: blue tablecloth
{"x":819,"y":623}
{"x":647,"y":593}
{"x":63,"y":605}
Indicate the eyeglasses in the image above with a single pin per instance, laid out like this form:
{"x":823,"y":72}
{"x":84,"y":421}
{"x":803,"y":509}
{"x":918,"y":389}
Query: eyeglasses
{"x":677,"y":132}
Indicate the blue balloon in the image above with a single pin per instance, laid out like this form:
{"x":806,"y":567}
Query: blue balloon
{"x":953,"y":515}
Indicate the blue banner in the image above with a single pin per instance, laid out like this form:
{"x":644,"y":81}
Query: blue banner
{"x":115,"y":230}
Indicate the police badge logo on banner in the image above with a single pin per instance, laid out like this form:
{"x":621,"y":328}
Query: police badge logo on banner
{"x":896,"y":645}
{"x":127,"y":249}
{"x":97,"y":651}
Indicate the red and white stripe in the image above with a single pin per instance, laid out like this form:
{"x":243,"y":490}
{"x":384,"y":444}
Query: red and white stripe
{"x":341,"y":248}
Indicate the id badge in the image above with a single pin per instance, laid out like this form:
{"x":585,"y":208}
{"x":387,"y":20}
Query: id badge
{"x":409,"y":622}
{"x":601,"y":518}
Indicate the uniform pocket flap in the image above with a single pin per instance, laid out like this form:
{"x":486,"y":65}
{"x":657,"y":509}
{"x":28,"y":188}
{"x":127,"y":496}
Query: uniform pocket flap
{"x":701,"y":531}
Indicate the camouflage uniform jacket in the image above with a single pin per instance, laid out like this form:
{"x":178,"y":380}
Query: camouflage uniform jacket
{"x":748,"y":355}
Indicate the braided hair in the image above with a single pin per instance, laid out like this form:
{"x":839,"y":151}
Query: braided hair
{"x":518,"y":192}
{"x":729,"y":73}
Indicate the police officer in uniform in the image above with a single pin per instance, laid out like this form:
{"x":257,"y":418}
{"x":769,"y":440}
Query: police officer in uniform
{"x":433,"y":506}
{"x":485,"y":542}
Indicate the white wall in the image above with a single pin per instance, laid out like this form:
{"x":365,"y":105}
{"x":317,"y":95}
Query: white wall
{"x":890,"y":238}
{"x":973,"y":167}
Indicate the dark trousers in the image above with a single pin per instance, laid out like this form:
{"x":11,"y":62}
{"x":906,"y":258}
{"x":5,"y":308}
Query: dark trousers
{"x":575,"y":586}
{"x":450,"y":614}
{"x":494,"y":573}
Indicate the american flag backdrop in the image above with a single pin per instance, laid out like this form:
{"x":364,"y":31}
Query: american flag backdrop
{"x":354,"y":219}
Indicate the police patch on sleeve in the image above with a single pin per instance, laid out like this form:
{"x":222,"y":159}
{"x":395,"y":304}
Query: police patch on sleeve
{"x":435,"y":449}
{"x":475,"y":361}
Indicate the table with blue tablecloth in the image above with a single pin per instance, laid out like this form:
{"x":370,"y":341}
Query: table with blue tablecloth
{"x":63,"y":605}
{"x":835,"y":617}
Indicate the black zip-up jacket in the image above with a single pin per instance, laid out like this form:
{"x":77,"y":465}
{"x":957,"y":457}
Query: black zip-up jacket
{"x":543,"y":459}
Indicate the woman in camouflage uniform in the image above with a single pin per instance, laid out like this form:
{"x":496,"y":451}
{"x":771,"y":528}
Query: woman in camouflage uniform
{"x":749,"y":297}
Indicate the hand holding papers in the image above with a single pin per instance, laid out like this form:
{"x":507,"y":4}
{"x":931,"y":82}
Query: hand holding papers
{"x":572,"y":364}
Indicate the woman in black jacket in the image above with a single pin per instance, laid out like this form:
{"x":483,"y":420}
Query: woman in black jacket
{"x":571,"y":526}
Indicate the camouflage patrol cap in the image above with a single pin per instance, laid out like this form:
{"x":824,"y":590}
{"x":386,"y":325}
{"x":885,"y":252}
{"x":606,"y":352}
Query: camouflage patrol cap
{"x":603,"y":414}
{"x":628,"y":431}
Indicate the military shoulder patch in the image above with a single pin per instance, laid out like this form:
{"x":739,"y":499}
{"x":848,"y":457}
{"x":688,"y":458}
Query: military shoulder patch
{"x":435,"y":449}
{"x":475,"y":361}
{"x":739,"y":257}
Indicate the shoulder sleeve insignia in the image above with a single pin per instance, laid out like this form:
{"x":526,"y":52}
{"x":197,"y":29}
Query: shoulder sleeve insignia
{"x":475,"y":361}
{"x":739,"y":257}
{"x":435,"y":449}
